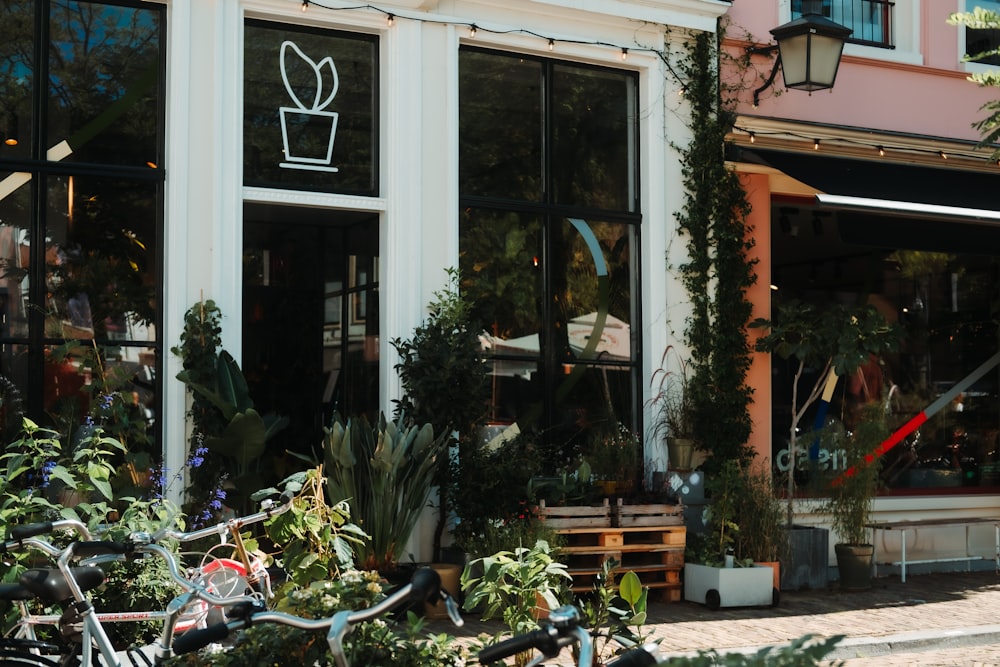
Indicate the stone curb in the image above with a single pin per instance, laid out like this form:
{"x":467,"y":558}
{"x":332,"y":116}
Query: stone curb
{"x":902,"y":642}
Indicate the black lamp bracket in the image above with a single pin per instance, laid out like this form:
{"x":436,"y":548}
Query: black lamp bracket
{"x":765,"y":50}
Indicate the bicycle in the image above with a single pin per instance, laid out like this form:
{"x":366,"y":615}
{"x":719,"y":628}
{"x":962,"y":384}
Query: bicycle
{"x":211,"y":586}
{"x":563,"y":629}
{"x":424,"y":586}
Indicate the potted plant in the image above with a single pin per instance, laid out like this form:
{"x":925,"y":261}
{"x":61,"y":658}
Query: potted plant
{"x":851,"y":496}
{"x":519,"y":586}
{"x":385,"y":472}
{"x":713,"y":575}
{"x":762,"y":537}
{"x":615,"y":460}
{"x":674,"y":417}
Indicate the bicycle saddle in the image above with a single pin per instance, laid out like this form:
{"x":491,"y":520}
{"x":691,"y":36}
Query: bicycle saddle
{"x":50,"y":585}
{"x":13,"y":592}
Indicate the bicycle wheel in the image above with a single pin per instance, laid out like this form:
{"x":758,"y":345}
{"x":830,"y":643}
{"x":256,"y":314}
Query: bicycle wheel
{"x":223,"y":577}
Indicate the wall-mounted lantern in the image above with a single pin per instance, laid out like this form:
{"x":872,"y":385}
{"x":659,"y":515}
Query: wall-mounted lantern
{"x":809,"y":50}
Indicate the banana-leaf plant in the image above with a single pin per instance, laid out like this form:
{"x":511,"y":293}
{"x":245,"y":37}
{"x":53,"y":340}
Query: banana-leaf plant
{"x":243,"y":440}
{"x":386,"y":473}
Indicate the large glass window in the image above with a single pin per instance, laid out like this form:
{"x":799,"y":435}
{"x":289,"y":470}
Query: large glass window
{"x":81,"y":210}
{"x":549,"y":238}
{"x":310,"y":105}
{"x":938,"y":281}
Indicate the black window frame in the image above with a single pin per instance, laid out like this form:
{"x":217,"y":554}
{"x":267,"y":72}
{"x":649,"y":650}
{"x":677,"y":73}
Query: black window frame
{"x":552,"y":214}
{"x":42,"y":169}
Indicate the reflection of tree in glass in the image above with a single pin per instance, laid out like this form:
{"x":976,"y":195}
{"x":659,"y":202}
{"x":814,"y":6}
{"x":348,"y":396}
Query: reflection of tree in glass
{"x":15,"y":73}
{"x":106,"y":256}
{"x":100,"y":55}
{"x":592,"y":146}
{"x":581,"y":286}
{"x":499,"y":272}
{"x":500,"y":125}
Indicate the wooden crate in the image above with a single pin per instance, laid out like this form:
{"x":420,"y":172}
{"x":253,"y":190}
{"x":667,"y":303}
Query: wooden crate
{"x":625,"y":516}
{"x":575,"y":516}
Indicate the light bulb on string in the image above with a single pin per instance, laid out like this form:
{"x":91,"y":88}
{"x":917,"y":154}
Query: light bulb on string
{"x":305,"y":5}
{"x":624,"y":53}
{"x":552,"y":44}
{"x":472,"y":31}
{"x":390,"y":19}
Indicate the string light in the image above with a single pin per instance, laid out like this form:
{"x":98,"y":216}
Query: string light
{"x":881,"y":149}
{"x":390,"y":18}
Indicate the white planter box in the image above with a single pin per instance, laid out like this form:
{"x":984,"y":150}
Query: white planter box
{"x":717,"y":587}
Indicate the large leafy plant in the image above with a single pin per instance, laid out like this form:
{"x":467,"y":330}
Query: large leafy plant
{"x":385,"y":472}
{"x":509,"y":584}
{"x":242,"y":441}
{"x":316,"y":538}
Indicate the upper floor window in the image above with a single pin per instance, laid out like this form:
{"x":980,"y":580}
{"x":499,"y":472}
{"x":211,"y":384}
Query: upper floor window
{"x":870,"y":20}
{"x":981,"y":41}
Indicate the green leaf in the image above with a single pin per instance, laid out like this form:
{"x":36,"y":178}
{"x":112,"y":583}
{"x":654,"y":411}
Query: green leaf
{"x":630,"y":588}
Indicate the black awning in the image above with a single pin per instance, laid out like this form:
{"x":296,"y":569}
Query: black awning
{"x":875,"y":179}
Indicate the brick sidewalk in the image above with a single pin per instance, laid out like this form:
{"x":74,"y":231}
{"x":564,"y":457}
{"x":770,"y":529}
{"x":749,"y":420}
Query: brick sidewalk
{"x":931,"y":603}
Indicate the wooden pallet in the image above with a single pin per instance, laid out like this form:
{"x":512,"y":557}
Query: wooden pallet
{"x":575,"y":516}
{"x":654,"y":553}
{"x":625,"y":516}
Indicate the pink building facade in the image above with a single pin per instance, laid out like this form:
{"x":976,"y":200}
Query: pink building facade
{"x":877,"y":190}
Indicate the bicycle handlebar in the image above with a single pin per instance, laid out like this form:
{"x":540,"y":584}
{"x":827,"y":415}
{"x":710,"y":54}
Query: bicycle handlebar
{"x":545,"y":639}
{"x":268,"y":510}
{"x":562,"y":629}
{"x":424,"y":586}
{"x":20,"y":536}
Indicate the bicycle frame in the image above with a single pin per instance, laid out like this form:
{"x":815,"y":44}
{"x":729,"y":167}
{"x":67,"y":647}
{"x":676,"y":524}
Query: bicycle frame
{"x":194,"y":591}
{"x":426,"y":583}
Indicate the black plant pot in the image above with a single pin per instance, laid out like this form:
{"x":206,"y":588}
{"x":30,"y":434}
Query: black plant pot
{"x":854,"y":563}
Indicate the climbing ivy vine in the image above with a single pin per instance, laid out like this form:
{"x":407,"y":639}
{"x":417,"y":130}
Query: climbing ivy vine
{"x":719,"y":270}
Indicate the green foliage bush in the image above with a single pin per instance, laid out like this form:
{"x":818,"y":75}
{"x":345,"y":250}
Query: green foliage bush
{"x":802,"y":652}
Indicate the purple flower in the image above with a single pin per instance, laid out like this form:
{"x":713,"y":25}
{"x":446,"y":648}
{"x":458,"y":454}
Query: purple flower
{"x":47,"y":469}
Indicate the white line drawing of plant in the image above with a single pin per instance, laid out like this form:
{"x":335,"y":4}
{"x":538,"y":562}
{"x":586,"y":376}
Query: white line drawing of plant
{"x":313,"y":117}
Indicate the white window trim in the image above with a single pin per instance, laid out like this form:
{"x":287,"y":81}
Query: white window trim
{"x":971,"y":68}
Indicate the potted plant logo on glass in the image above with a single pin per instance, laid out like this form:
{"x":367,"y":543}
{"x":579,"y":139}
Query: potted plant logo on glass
{"x":308,"y":130}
